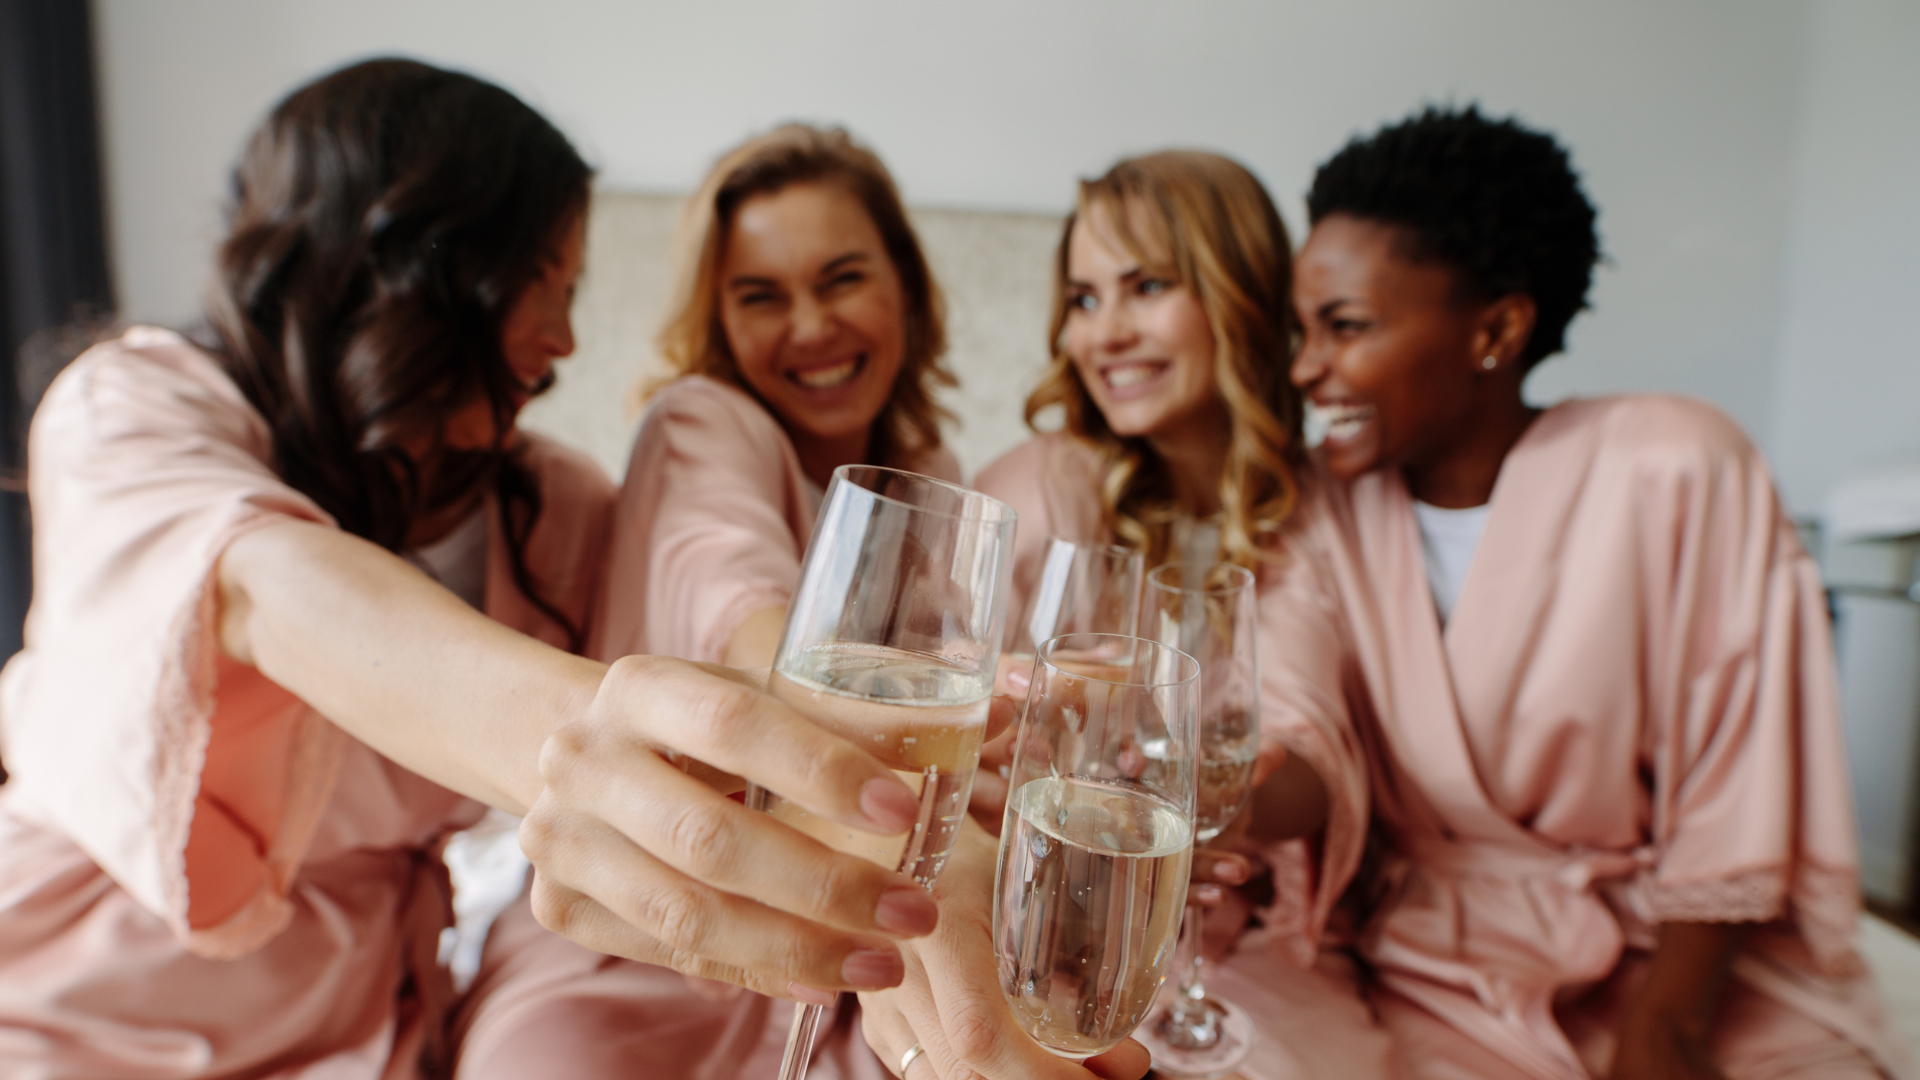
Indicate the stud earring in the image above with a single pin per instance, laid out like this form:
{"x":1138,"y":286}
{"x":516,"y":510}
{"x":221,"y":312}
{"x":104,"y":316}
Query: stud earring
{"x":1490,"y":363}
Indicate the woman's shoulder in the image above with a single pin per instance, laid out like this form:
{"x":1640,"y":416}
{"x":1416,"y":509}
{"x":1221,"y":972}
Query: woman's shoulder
{"x":1659,"y":431}
{"x":703,"y":397}
{"x":1045,"y":459}
{"x":561,"y":468}
{"x":152,"y":379}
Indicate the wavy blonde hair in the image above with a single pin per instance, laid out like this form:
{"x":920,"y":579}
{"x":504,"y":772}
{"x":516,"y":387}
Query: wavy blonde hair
{"x":1202,"y":220}
{"x":694,"y":342}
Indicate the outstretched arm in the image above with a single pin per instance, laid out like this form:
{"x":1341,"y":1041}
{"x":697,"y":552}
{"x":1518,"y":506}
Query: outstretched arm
{"x":633,"y":856}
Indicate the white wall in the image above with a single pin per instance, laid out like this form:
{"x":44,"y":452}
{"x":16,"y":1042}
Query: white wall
{"x":1681,"y":116}
{"x":1848,"y":390}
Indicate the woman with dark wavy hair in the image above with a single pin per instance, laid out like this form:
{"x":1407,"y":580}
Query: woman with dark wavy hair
{"x":807,"y":334}
{"x":306,"y":600}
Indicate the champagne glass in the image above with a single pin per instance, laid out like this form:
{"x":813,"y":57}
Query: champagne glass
{"x":1083,"y":589}
{"x":891,"y":642}
{"x":1097,"y":839}
{"x":1208,"y":611}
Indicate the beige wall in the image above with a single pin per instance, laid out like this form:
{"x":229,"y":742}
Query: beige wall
{"x":994,"y":267}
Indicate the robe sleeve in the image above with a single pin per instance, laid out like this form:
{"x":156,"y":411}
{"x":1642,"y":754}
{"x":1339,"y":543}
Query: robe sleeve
{"x":1304,"y":652}
{"x":705,"y":533}
{"x":193,"y":782}
{"x":1752,"y":816}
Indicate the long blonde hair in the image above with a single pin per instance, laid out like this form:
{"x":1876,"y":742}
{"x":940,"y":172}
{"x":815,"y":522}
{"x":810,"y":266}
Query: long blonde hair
{"x":1205,"y":221}
{"x":695,"y":343}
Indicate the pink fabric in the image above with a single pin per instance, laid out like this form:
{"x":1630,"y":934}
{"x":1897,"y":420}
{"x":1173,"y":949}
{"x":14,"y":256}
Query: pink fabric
{"x":713,"y":518}
{"x":150,"y":774}
{"x":1052,"y":481}
{"x":1630,"y":718}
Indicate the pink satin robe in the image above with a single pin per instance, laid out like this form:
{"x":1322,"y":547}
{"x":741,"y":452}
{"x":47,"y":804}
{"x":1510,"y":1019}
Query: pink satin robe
{"x":713,"y":519}
{"x":712,"y":523}
{"x":199,"y":875}
{"x":1631,"y":718}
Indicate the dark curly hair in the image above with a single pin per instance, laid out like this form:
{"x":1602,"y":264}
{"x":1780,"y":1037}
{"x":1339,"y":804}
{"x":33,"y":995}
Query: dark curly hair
{"x":1496,"y":201}
{"x":384,"y":218}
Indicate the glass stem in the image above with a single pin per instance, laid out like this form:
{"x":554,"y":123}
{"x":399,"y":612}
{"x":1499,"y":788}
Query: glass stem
{"x":806,"y":1018}
{"x":1190,"y":1004}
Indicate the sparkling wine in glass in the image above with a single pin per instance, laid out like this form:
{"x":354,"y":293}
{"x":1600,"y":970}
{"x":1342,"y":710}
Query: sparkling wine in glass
{"x":1098,"y":839}
{"x":891,"y":642}
{"x":1208,"y":611}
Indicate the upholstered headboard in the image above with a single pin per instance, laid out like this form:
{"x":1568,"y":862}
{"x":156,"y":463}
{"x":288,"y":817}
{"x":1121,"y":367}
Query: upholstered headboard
{"x":996,"y":270}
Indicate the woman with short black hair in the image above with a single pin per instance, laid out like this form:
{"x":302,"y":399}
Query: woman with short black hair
{"x":1594,"y":666}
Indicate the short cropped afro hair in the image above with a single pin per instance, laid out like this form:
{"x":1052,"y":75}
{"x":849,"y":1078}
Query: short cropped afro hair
{"x":1499,"y":203}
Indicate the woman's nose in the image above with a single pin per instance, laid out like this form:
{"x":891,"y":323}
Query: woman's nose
{"x":557,"y":336}
{"x":1309,"y":365}
{"x":812,"y":322}
{"x":1113,"y":327}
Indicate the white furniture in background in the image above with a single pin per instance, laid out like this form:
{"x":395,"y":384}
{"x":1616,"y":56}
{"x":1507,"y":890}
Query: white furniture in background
{"x":1871,"y":531}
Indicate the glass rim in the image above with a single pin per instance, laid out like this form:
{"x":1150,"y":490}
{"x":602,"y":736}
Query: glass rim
{"x":1109,"y":550}
{"x":1241,"y":578}
{"x":1187,"y":663}
{"x":966,"y":494}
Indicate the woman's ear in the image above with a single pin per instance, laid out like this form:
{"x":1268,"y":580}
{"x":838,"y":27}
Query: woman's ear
{"x":1505,"y":327}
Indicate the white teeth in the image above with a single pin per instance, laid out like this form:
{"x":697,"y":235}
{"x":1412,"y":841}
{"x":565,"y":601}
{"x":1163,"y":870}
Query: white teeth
{"x":1336,"y":422}
{"x":828,"y":377}
{"x":1121,"y":376}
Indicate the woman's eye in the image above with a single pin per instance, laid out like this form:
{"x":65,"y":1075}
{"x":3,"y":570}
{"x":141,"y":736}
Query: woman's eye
{"x":1347,"y":326}
{"x":846,"y":280}
{"x":1081,"y":302}
{"x":1154,"y":286}
{"x":753,"y":299}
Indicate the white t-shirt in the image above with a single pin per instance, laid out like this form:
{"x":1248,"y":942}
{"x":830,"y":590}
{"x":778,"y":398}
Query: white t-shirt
{"x":1448,"y":538}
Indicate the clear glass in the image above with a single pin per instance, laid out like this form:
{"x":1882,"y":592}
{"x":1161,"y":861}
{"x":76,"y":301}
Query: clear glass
{"x":891,"y":642}
{"x":1097,"y":839}
{"x":1083,"y":589}
{"x":1208,"y":611}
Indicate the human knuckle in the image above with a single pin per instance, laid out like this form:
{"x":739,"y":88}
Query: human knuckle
{"x":539,"y":831}
{"x":555,"y":907}
{"x":972,"y":1032}
{"x":702,"y":835}
{"x":679,"y":919}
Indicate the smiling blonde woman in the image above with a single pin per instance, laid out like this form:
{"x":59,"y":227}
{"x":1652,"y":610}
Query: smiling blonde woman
{"x":807,"y":334}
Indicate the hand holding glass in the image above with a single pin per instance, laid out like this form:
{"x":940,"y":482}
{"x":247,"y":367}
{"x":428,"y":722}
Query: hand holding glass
{"x":890,"y":643}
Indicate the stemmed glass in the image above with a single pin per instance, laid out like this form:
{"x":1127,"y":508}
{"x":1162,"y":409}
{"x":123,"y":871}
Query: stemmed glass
{"x":1083,"y":589}
{"x":891,"y":642}
{"x":1208,"y":611}
{"x":1097,"y":838}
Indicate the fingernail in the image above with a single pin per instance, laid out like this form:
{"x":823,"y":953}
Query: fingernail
{"x":1020,"y":679}
{"x":906,"y":910}
{"x":1208,"y":894}
{"x":1228,"y":871}
{"x":871,"y":969}
{"x":888,"y":805}
{"x":811,"y":995}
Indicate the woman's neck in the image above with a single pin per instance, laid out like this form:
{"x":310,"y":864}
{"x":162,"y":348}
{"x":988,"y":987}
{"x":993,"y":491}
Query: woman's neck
{"x":820,"y":456}
{"x":1462,"y":474}
{"x":1195,"y":454}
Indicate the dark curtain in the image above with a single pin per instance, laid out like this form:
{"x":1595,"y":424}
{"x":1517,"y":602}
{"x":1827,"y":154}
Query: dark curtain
{"x":53,"y":250}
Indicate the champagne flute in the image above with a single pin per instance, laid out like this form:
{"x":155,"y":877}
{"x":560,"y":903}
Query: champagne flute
{"x":891,"y":643}
{"x":1208,"y":611}
{"x":1097,"y":839}
{"x":1083,"y":589}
